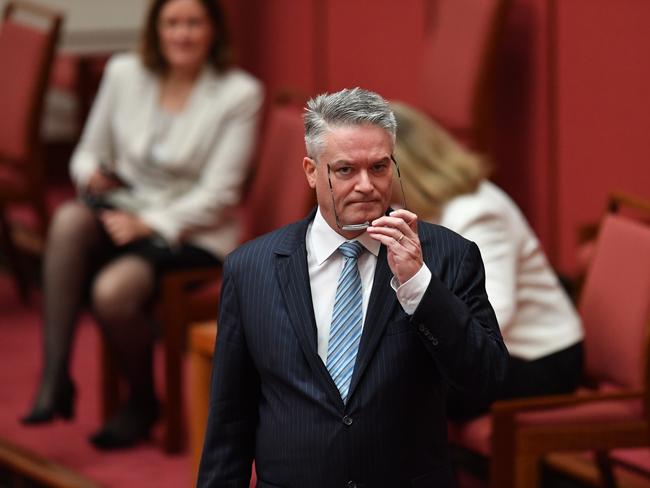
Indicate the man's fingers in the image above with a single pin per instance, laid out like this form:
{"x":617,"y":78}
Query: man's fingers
{"x":395,"y":223}
{"x":407,"y":216}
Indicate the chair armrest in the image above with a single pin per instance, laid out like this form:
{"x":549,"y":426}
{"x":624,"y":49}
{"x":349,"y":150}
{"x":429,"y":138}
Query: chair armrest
{"x":178,"y":281}
{"x":504,"y":443}
{"x":512,"y":407}
{"x":174,"y":295}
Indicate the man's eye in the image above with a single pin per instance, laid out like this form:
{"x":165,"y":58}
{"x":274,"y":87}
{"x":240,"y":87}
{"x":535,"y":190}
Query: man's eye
{"x":345,"y":170}
{"x":380,"y":168}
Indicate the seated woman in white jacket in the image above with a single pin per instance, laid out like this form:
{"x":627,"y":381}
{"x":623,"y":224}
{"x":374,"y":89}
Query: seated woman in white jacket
{"x":446,"y":184}
{"x":158,"y":170}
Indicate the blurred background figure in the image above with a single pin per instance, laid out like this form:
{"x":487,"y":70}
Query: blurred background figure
{"x":158,"y":171}
{"x":448,"y":185}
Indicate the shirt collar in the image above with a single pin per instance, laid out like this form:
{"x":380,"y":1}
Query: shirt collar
{"x":325,"y":240}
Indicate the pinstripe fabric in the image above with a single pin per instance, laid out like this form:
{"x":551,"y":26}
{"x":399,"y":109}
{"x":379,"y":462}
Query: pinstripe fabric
{"x":274,"y":401}
{"x":347,"y":318}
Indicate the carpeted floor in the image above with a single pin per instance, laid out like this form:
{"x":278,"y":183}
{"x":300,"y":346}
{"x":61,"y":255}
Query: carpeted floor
{"x":65,"y":442}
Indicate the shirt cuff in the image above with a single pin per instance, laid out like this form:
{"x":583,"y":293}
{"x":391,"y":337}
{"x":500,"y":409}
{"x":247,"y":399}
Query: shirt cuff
{"x":410,"y":294}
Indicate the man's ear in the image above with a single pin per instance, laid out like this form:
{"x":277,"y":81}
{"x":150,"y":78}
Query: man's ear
{"x":309,"y":166}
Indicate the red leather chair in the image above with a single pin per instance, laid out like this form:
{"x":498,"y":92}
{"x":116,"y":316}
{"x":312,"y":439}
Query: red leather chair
{"x":278,"y":194}
{"x":26,"y":53}
{"x":458,"y":65}
{"x":613,"y":409}
{"x":617,"y":202}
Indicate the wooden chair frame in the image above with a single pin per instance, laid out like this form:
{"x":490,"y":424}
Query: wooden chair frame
{"x":517,"y":451}
{"x":616,"y":201}
{"x":175,"y":315}
{"x":32,"y":165}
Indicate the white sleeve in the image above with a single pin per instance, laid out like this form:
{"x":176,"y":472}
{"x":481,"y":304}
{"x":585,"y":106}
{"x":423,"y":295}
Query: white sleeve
{"x":410,"y":294}
{"x":96,"y":144}
{"x":492,"y":234}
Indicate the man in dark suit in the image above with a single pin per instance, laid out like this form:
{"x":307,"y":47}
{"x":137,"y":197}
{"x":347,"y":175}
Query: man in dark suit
{"x":339,"y":334}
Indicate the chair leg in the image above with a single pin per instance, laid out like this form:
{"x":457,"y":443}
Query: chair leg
{"x":504,"y":445}
{"x":174,"y":394}
{"x":605,"y":469}
{"x":110,"y":386}
{"x":527,"y":470}
{"x":8,"y":246}
{"x":173,"y":344}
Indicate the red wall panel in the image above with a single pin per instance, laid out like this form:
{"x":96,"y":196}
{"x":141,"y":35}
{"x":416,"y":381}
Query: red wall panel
{"x":374,"y":44}
{"x":603,"y":109}
{"x":572,"y":101}
{"x":276,"y":41}
{"x":520,"y":122}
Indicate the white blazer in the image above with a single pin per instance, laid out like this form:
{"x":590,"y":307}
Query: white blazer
{"x":535,"y":315}
{"x":190,"y":188}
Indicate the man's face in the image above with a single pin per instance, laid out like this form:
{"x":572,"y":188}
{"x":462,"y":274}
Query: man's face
{"x":361,"y":175}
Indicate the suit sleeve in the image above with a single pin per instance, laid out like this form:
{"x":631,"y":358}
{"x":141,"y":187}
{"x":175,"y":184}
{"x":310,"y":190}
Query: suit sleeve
{"x":228,"y":449}
{"x":459,"y":329}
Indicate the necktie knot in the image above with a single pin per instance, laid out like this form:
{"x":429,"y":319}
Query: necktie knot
{"x":351,"y":249}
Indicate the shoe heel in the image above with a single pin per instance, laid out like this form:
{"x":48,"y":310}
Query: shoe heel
{"x":65,"y":408}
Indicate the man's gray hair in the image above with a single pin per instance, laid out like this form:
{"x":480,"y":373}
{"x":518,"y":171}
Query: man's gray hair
{"x":348,"y":107}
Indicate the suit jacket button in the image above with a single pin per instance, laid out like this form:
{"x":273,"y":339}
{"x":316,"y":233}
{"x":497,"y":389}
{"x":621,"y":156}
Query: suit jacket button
{"x":434,"y":341}
{"x":421,"y":328}
{"x":352,"y":484}
{"x":347,"y":420}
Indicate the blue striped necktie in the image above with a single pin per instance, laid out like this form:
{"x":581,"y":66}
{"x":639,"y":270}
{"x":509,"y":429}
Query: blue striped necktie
{"x":347,"y":320}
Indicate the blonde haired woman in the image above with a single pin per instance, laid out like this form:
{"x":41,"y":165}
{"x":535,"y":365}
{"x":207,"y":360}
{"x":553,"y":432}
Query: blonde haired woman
{"x":446,"y":184}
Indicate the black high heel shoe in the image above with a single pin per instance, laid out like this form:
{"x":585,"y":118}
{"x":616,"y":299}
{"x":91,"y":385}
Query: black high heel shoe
{"x":130,"y":425}
{"x":63,"y":407}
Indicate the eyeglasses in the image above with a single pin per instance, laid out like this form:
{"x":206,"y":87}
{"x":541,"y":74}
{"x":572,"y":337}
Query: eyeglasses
{"x":364,"y":225}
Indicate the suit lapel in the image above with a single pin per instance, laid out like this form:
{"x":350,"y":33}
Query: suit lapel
{"x":380,"y":306}
{"x":293,"y":276}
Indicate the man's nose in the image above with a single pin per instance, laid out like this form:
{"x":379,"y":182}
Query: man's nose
{"x":364,"y":182}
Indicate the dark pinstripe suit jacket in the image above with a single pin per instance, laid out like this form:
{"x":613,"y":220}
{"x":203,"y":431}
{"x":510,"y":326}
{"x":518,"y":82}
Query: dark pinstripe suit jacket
{"x":273,"y":400}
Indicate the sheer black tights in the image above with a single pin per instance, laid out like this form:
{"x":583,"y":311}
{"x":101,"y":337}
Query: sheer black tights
{"x":121,"y":289}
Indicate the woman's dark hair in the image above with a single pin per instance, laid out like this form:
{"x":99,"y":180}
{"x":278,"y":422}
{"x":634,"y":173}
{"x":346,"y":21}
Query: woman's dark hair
{"x":151,"y":53}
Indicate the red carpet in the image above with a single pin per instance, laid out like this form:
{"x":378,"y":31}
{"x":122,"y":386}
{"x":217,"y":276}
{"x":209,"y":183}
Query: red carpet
{"x":65,"y":442}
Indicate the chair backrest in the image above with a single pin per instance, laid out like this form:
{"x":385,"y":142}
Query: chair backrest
{"x":615,"y":304}
{"x":28,"y":37}
{"x":630,"y":205}
{"x":279,"y":193}
{"x":458,"y":64}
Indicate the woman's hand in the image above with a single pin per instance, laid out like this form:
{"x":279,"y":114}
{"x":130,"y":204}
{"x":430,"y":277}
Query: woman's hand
{"x":123,"y":227}
{"x":398,"y":232}
{"x":102,"y":182}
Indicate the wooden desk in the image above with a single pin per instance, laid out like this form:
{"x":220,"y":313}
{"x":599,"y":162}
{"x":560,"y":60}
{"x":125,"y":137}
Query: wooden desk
{"x":202,"y":338}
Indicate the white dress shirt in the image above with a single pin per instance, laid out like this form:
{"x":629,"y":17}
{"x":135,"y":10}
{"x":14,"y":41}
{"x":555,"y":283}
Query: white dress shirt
{"x":325,"y":265}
